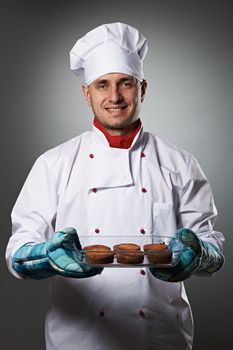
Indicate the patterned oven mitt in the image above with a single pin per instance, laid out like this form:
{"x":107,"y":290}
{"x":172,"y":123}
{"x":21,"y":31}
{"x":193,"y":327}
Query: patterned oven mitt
{"x":57,"y":256}
{"x":197,"y":257}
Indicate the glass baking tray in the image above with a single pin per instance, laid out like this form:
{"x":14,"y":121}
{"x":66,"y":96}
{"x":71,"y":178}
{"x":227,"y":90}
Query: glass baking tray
{"x":173,"y":244}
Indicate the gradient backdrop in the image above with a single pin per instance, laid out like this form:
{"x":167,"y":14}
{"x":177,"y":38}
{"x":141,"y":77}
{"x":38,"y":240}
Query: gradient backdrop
{"x":189,"y":102}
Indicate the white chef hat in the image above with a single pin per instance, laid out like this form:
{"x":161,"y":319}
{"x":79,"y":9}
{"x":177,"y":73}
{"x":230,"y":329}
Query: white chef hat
{"x":109,"y":48}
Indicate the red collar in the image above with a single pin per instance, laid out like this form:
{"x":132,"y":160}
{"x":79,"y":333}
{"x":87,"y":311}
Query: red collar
{"x":119,"y":141}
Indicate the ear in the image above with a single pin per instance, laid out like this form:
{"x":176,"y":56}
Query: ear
{"x":86,"y":94}
{"x":143,"y":89}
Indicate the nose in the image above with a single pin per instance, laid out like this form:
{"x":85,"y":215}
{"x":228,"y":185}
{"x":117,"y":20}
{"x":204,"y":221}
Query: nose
{"x":115,"y":95}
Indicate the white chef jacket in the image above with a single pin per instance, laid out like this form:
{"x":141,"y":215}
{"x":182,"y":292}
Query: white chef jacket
{"x":151,"y":188}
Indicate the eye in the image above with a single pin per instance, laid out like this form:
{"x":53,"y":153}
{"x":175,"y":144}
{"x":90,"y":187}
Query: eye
{"x":102,"y":86}
{"x":127,"y":83}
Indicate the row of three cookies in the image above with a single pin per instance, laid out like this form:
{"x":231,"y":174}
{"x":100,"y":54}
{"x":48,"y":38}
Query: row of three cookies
{"x":128,"y":253}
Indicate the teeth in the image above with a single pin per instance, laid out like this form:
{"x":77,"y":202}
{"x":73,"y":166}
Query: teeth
{"x":115,"y":109}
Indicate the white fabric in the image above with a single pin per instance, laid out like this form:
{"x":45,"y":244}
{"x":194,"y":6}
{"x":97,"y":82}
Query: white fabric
{"x":109,"y":48}
{"x":57,"y":194}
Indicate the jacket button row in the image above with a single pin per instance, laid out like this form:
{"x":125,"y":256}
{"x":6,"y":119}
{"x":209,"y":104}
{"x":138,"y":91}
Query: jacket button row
{"x":91,"y":155}
{"x":141,"y":230}
{"x":143,"y":189}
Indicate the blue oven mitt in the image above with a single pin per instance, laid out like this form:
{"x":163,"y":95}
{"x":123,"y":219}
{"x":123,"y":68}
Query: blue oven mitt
{"x":197,"y":256}
{"x":57,"y":256}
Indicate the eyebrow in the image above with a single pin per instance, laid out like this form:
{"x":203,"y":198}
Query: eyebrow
{"x":101,"y":81}
{"x":105,"y":81}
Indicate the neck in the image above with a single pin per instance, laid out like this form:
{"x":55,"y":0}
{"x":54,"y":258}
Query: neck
{"x":128,"y":130}
{"x":119,"y":140}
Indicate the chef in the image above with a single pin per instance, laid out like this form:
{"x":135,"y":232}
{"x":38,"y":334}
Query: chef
{"x":114,"y":181}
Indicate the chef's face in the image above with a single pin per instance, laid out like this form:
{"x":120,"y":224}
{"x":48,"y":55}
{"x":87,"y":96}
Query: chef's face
{"x":115,"y":99}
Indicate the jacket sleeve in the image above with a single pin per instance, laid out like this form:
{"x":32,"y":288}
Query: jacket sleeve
{"x":197,"y":210}
{"x":34,"y":212}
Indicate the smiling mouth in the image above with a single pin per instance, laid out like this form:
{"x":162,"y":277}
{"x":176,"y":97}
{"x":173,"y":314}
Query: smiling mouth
{"x":117,"y":109}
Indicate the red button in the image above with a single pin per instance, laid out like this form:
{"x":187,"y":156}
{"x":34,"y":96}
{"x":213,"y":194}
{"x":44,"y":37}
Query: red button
{"x":94,"y":190}
{"x":142,"y":272}
{"x":91,"y":155}
{"x":141,"y":314}
{"x":142,"y":231}
{"x":97,"y":230}
{"x":143,"y":154}
{"x":143,"y":190}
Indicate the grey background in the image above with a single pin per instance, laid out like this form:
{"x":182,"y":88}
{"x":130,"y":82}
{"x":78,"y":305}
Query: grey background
{"x":189,"y":102}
